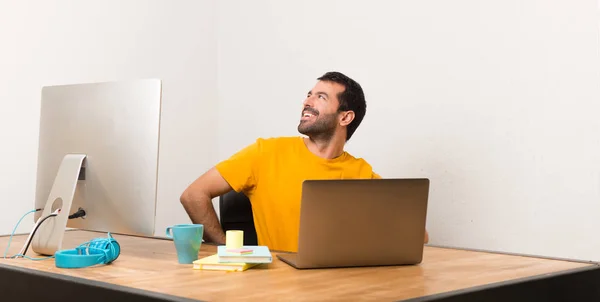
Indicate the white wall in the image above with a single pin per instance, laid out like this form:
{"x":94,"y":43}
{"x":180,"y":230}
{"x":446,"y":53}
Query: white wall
{"x":495,"y":101}
{"x":63,"y":42}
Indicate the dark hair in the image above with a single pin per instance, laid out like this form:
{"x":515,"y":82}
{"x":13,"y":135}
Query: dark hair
{"x":352,"y":98}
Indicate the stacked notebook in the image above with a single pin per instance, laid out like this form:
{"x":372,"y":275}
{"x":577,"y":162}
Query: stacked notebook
{"x":235,"y":259}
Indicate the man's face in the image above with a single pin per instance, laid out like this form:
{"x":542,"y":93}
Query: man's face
{"x":320,"y":114}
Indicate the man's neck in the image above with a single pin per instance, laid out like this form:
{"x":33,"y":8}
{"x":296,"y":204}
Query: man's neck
{"x":330,"y":149}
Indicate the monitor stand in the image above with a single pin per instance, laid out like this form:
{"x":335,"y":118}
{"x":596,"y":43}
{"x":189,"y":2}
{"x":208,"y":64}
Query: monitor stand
{"x":49,"y":235}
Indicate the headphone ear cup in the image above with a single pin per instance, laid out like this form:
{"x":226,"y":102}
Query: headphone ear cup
{"x":117,"y":249}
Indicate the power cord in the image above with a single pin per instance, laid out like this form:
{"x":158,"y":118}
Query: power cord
{"x":35,"y":228}
{"x":15,"y":229}
{"x":80,"y":213}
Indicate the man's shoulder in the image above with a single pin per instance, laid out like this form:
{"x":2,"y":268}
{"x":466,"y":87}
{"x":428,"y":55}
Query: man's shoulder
{"x":363,"y":165}
{"x":278,"y":141}
{"x":351,"y":157}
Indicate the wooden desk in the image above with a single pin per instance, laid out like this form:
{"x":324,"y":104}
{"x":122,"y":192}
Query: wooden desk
{"x":148,"y":266}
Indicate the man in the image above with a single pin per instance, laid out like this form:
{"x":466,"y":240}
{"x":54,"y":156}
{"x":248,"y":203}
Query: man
{"x":270,"y":171}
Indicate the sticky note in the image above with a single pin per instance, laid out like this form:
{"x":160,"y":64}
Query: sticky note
{"x":234,"y":239}
{"x":241,"y":251}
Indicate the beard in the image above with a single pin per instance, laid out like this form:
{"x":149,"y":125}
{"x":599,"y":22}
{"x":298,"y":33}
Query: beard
{"x":322,"y":127}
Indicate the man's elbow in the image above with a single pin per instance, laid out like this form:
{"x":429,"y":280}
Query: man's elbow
{"x":189,"y":198}
{"x":185,"y":198}
{"x":193,"y":197}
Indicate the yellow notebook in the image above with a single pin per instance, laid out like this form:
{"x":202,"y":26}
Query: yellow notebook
{"x":212,"y":263}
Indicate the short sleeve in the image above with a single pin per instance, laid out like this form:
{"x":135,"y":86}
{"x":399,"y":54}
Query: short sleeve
{"x":375,"y":176}
{"x":239,"y":170}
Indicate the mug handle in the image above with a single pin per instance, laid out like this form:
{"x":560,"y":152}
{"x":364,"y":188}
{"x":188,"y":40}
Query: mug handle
{"x":168,"y":233}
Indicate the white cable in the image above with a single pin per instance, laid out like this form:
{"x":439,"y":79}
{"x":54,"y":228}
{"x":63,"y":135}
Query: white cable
{"x":29,"y":238}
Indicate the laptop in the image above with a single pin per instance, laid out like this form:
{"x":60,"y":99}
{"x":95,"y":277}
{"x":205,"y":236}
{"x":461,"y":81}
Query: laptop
{"x":360,"y":222}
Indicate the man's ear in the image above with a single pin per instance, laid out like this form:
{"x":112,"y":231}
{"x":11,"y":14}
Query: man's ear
{"x":347,"y":118}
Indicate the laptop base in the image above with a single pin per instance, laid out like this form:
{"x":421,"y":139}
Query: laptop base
{"x":289,"y":259}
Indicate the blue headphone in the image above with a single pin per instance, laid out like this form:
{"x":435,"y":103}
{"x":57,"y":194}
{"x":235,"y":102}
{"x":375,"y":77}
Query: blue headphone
{"x":93,"y":252}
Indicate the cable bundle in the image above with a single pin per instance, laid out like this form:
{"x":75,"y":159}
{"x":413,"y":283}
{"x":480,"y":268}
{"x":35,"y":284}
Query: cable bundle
{"x":93,"y":252}
{"x":39,"y":222}
{"x":23,"y":251}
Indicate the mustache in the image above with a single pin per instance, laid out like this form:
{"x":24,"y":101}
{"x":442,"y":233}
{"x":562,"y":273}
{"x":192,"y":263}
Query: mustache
{"x":311,"y":110}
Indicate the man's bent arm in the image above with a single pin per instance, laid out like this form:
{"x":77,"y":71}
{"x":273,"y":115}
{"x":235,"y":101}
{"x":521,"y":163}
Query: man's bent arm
{"x":197,"y":202}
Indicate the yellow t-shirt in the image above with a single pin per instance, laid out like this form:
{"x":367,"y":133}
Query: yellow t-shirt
{"x":271,"y":171}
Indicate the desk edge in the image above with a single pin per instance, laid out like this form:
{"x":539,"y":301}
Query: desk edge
{"x":512,"y":254}
{"x":96,"y":283}
{"x":495,"y":285}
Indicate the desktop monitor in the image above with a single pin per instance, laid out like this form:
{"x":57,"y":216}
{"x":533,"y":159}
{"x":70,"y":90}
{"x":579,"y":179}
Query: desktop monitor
{"x":98,"y":151}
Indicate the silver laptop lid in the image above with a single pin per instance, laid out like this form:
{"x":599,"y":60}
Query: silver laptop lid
{"x":362,"y":222}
